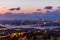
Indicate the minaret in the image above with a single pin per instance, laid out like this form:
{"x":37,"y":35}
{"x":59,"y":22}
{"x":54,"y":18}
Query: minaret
{"x":21,"y":23}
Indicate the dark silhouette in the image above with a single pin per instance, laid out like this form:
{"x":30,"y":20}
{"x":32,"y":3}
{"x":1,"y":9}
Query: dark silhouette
{"x":12,"y":9}
{"x":48,"y":7}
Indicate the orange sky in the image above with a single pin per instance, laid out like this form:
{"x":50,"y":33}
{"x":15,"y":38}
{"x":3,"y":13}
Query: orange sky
{"x":28,"y":10}
{"x":2,"y":11}
{"x":26,"y":5}
{"x":24,"y":10}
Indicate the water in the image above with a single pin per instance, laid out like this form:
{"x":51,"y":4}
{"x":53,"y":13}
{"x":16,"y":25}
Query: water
{"x":30,"y":26}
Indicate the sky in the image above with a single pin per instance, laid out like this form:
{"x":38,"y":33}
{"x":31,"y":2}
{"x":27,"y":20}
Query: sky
{"x":26,"y":6}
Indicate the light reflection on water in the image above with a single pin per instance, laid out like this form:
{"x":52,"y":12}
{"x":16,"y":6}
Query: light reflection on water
{"x":30,"y":26}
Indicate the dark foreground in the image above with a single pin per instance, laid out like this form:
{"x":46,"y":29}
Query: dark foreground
{"x":29,"y":34}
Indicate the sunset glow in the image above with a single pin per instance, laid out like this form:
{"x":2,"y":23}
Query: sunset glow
{"x":27,"y":6}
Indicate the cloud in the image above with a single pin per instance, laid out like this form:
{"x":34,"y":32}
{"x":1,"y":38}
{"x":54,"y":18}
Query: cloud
{"x":48,"y":7}
{"x":12,"y":9}
{"x":38,"y":9}
{"x":18,"y":8}
{"x":58,"y":7}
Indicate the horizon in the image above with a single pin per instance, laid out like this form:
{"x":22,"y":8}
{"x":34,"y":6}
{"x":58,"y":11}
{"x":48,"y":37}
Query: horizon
{"x":48,"y":15}
{"x":44,"y":10}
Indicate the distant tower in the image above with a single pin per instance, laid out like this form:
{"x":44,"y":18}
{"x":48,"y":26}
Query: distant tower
{"x":21,"y":23}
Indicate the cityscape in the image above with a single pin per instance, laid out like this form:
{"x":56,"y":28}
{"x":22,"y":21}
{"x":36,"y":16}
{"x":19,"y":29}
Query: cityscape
{"x":29,"y":19}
